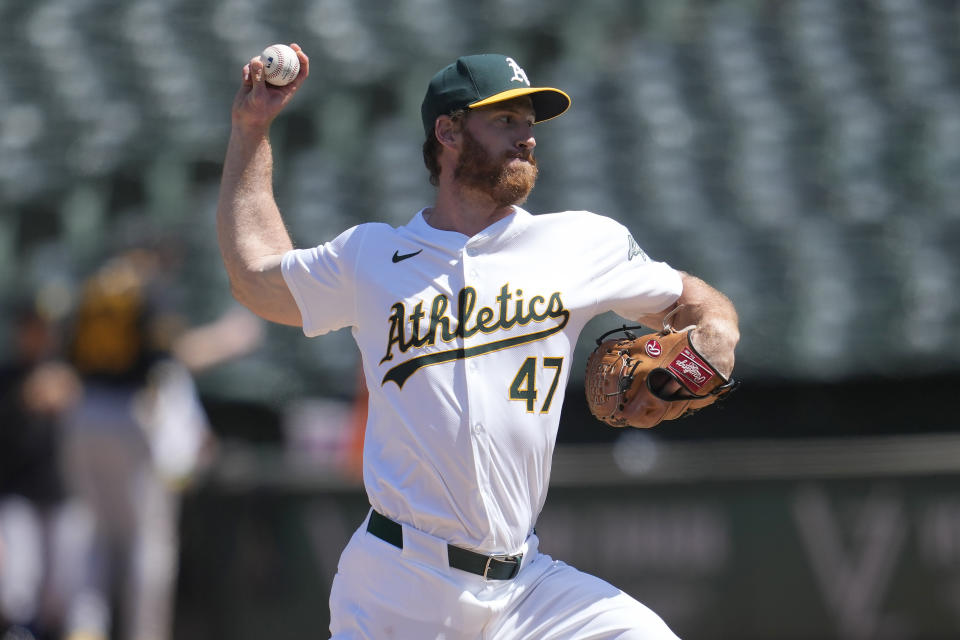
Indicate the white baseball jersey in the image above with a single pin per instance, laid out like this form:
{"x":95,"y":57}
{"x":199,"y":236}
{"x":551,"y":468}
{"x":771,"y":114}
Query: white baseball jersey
{"x":466,"y":346}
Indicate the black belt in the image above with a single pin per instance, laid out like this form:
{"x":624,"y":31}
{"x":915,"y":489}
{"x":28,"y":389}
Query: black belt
{"x":496,"y":567}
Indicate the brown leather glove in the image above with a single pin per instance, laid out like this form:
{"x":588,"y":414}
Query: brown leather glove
{"x":642,"y":381}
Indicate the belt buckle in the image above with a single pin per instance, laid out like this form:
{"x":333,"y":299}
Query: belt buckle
{"x":502,"y":558}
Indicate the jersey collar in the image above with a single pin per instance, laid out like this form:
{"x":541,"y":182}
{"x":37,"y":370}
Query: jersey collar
{"x":487,"y":240}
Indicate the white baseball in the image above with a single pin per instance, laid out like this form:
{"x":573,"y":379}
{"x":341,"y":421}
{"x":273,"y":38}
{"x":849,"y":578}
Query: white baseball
{"x":280,"y":64}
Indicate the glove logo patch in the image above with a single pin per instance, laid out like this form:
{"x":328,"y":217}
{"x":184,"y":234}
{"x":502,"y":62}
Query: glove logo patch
{"x":692,"y":371}
{"x":653,"y":348}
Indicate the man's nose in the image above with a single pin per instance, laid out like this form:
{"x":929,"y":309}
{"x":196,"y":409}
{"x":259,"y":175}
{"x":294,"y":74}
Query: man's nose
{"x":527,"y":141}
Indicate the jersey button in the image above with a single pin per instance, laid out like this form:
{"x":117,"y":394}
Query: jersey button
{"x":478,"y":428}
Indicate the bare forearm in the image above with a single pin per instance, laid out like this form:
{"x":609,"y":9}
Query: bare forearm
{"x":717,"y":324}
{"x":717,"y":332}
{"x":249,"y":226}
{"x":250,"y":229}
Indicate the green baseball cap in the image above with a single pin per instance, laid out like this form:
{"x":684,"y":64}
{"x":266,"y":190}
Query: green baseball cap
{"x":475,"y":81}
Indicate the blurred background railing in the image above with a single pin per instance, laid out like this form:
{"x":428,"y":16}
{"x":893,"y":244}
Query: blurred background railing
{"x":800,"y":155}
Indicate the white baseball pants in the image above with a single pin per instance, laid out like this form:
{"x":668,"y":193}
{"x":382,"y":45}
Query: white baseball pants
{"x":382,"y":592}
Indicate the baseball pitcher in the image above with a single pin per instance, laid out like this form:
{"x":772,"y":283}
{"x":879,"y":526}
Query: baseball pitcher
{"x":466,"y":318}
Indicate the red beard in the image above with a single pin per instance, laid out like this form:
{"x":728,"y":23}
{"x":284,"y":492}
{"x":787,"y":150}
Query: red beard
{"x":505,"y":182}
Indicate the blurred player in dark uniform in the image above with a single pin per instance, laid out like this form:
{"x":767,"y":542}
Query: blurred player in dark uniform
{"x":35,"y":390}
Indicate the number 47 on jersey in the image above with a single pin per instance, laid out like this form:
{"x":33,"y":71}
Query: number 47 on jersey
{"x":524,"y":385}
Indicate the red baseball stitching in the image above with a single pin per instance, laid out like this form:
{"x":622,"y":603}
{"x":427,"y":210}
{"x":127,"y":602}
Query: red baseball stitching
{"x":279,"y":68}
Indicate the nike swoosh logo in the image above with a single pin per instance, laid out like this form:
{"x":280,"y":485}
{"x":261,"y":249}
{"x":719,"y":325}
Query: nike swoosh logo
{"x":398,"y":258}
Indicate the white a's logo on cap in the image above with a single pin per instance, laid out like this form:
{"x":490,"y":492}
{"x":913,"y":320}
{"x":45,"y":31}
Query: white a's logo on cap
{"x":518,"y":73}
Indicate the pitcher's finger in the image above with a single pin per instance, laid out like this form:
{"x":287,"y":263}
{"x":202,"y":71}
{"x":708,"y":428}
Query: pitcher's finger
{"x":256,"y":71}
{"x":304,"y":63}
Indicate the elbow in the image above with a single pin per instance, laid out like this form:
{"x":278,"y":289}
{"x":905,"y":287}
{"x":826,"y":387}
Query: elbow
{"x":264,"y":292}
{"x":243,"y":288}
{"x":239,"y":294}
{"x":243,"y":297}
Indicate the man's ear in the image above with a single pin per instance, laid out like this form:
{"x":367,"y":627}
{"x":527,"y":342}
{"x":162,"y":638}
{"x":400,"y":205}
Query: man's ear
{"x":447,"y":132}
